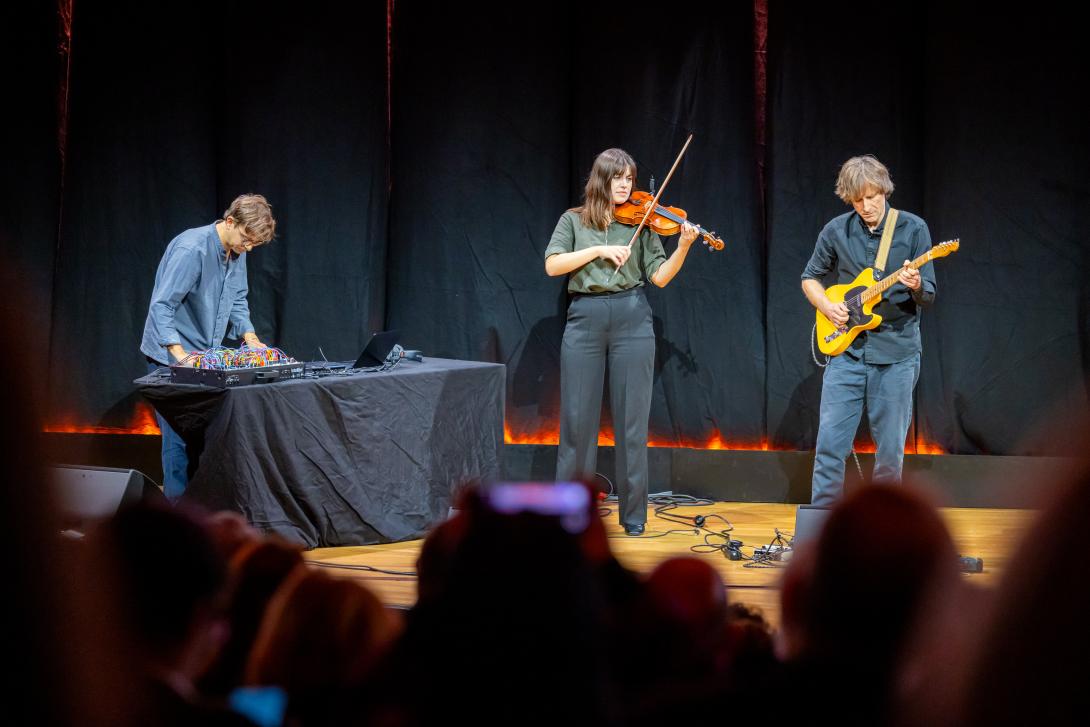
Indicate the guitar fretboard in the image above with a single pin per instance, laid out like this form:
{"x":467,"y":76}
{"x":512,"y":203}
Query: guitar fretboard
{"x":876,"y":290}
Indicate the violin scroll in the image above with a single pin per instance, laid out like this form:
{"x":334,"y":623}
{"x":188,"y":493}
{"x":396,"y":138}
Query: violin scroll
{"x":713,"y":241}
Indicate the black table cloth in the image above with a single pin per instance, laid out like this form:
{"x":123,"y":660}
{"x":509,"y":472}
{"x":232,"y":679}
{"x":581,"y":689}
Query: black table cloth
{"x":344,"y":459}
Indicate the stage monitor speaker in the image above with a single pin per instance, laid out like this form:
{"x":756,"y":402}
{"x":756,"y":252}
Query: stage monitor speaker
{"x":809,"y":519}
{"x":87,"y":494}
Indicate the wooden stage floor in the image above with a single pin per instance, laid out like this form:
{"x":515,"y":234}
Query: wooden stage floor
{"x":985,"y":533}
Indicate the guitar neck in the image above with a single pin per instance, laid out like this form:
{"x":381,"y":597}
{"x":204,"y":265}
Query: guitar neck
{"x":876,"y":290}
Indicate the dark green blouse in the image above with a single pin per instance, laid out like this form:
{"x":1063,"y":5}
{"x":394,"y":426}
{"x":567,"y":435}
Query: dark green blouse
{"x":571,"y":235}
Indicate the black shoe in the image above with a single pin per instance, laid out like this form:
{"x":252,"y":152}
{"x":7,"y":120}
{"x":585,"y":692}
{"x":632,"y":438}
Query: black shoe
{"x":633,"y":529}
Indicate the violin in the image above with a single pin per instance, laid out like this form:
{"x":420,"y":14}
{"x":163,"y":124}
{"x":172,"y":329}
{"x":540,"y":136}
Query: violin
{"x":664,"y":220}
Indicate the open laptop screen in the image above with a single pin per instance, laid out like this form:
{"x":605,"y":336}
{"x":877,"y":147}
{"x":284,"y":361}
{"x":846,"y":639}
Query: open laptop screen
{"x":377,"y":349}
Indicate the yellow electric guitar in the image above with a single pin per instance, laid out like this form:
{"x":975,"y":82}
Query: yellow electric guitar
{"x":861,"y":295}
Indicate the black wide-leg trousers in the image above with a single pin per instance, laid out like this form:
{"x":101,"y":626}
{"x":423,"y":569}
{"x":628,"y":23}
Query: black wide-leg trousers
{"x":613,"y":329}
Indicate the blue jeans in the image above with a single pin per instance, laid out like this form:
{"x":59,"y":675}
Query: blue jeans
{"x":886,"y":389}
{"x":175,"y":457}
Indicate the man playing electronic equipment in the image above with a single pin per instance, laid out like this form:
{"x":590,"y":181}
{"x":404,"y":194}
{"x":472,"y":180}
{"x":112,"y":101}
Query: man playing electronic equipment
{"x":199,"y":297}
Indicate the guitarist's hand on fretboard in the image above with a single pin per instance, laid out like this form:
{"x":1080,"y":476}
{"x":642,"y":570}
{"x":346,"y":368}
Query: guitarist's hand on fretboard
{"x":909,"y":276}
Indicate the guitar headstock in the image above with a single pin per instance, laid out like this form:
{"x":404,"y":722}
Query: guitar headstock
{"x":945,"y":248}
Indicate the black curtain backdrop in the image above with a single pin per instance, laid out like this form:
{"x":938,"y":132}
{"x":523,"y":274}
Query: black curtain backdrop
{"x":30,"y":181}
{"x":177,"y":109}
{"x":497,"y":111}
{"x":976,"y":115}
{"x":494,"y":142}
{"x":828,"y":101}
{"x":1007,"y":155}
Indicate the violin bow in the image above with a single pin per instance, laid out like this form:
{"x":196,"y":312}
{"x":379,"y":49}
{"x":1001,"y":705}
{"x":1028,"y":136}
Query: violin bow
{"x":654,"y":202}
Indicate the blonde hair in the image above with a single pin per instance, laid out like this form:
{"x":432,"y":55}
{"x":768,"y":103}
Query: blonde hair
{"x":857,"y":173}
{"x":254,"y":214}
{"x":597,"y":209}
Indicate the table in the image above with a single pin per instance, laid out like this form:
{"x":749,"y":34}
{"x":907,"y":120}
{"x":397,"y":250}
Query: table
{"x":348,"y":459}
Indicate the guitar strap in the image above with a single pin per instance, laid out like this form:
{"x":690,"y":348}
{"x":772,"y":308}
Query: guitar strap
{"x":887,"y":239}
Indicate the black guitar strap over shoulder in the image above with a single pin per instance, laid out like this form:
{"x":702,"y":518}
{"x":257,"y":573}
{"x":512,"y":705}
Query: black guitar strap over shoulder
{"x":887,"y":239}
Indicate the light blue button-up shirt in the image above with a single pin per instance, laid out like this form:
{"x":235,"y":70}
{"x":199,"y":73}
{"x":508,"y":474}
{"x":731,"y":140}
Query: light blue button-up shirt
{"x":199,"y":291}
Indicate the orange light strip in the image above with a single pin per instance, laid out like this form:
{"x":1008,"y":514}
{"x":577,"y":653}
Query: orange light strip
{"x":714,"y":442}
{"x":143,"y":423}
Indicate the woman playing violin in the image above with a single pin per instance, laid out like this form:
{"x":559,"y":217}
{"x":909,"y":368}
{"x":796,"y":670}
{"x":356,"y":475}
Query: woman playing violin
{"x":609,"y":321}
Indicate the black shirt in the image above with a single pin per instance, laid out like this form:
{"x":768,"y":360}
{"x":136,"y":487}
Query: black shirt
{"x":845,"y":247}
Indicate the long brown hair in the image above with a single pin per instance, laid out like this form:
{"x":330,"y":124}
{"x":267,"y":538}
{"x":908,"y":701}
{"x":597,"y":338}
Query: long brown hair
{"x":597,"y":209}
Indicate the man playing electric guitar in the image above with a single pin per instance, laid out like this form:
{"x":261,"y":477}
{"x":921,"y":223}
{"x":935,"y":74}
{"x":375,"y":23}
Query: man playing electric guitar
{"x":881,"y":366}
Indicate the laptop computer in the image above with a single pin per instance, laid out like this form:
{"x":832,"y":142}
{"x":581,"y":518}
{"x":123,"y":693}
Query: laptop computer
{"x":377,"y":349}
{"x":373,"y":354}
